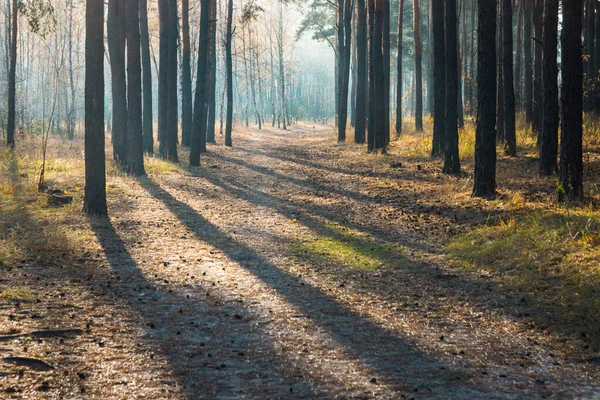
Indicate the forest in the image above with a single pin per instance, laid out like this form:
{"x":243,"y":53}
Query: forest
{"x":300,"y":199}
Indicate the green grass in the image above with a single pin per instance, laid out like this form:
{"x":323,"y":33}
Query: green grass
{"x":347,"y":248}
{"x":551,"y":257}
{"x":18,"y":294}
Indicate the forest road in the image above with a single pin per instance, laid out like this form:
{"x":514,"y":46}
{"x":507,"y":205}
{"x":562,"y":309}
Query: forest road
{"x":275,"y":271}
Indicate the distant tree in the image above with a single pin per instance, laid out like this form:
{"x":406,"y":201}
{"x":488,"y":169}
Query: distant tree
{"x":550,"y":108}
{"x":418,"y":66}
{"x":537,"y":18}
{"x":485,"y":141}
{"x":571,"y":148}
{"x":439,"y":78}
{"x":94,"y":202}
{"x":451,"y":156}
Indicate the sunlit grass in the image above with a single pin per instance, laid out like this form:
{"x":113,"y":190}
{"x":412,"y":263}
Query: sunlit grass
{"x":157,"y":166}
{"x":348,"y":248}
{"x":553,"y":255}
{"x":18,"y":294}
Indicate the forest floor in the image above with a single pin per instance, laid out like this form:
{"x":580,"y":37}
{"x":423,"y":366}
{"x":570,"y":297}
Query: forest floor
{"x":291,"y":266}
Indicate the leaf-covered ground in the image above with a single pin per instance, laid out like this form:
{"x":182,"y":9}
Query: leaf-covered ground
{"x":286,"y":267}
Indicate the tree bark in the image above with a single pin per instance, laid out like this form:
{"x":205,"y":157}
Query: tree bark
{"x":147,"y":116}
{"x":510,"y":138}
{"x":399,"y":88}
{"x":186,"y":77}
{"x":12,"y":81}
{"x":451,"y":156}
{"x":116,"y":32}
{"x":527,"y":60}
{"x":200,"y":100}
{"x":94,"y":202}
{"x":229,"y":67}
{"x":418,"y":67}
{"x":212,"y":85}
{"x":361,"y":71}
{"x":571,"y":151}
{"x":135,"y":160}
{"x":538,"y":11}
{"x":485,"y":141}
{"x":439,"y":78}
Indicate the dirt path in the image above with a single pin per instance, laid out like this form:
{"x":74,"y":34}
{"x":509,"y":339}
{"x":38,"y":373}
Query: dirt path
{"x":204,"y":285}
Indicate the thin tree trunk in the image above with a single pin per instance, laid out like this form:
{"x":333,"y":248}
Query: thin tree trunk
{"x":418,"y":67}
{"x":186,"y":77}
{"x":116,"y":32}
{"x":527,"y":60}
{"x":510,"y":138}
{"x":399,"y":70}
{"x":12,"y":81}
{"x":229,"y":67}
{"x":361,"y":72}
{"x":212,"y":86}
{"x":147,"y":116}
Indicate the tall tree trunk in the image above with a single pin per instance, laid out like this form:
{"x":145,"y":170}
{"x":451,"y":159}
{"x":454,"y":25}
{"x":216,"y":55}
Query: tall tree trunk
{"x":459,"y":104}
{"x":344,"y":51}
{"x":527,"y":60}
{"x":500,"y":116}
{"x":147,"y":116}
{"x":451,"y":156}
{"x":485,"y":141}
{"x":371,"y":96}
{"x":280,"y":46}
{"x":386,"y":70}
{"x":550,"y":109}
{"x":12,"y":81}
{"x":72,"y":113}
{"x":571,"y":148}
{"x":186,"y":77}
{"x":439,"y":78}
{"x":519,"y":59}
{"x":94,"y":202}
{"x":538,"y":12}
{"x":172,"y":129}
{"x":135,"y":160}
{"x":116,"y":32}
{"x":200,"y":100}
{"x":379,"y":141}
{"x":212,"y":85}
{"x":229,"y":67}
{"x":361,"y":71}
{"x":399,"y":70}
{"x":418,"y":67}
{"x":510,"y":138}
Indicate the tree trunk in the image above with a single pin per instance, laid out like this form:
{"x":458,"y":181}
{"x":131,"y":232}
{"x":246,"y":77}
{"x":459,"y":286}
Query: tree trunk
{"x":418,"y":67}
{"x":399,"y":70}
{"x":386,"y":70}
{"x":485,"y":141}
{"x":12,"y":81}
{"x":200,"y":100}
{"x":163,"y":74}
{"x":550,"y":108}
{"x":229,"y":67}
{"x":527,"y":60}
{"x":500,"y":116}
{"x":510,"y":138}
{"x":147,"y":116}
{"x":94,"y":202}
{"x":116,"y":32}
{"x":519,"y":59}
{"x":538,"y":11}
{"x":361,"y":71}
{"x":212,"y":86}
{"x":135,"y":160}
{"x":451,"y":156}
{"x":439,"y":78}
{"x":172,"y":129}
{"x":379,"y":142}
{"x":186,"y":77}
{"x":571,"y":149}
{"x":72,"y":112}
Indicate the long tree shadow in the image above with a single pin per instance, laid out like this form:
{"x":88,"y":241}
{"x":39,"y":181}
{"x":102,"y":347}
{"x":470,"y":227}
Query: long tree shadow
{"x":393,"y":359}
{"x":482,"y":293}
{"x":200,"y":331}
